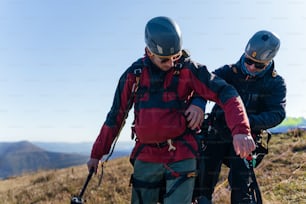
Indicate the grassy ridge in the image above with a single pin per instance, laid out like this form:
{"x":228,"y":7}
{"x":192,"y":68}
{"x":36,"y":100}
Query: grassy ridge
{"x":281,"y":176}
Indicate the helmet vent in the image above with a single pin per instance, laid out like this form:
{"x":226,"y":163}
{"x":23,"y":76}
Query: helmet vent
{"x":265,"y":37}
{"x":159,"y":49}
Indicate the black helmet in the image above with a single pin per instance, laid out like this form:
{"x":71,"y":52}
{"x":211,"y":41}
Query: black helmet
{"x":163,"y":36}
{"x":263,"y":46}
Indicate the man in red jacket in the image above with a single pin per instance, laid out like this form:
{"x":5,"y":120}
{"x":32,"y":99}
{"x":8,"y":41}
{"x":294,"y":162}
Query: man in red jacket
{"x":160,"y":85}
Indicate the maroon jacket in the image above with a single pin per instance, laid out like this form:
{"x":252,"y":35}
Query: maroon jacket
{"x":159,"y":111}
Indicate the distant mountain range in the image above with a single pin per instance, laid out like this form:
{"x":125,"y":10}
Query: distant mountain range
{"x":290,"y":123}
{"x":83,"y":148}
{"x":21,"y":157}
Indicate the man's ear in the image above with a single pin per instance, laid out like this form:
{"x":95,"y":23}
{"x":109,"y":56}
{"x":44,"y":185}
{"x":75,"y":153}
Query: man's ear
{"x":150,"y":54}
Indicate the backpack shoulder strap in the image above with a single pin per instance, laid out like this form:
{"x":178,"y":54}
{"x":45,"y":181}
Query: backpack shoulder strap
{"x":233,"y":68}
{"x":137,"y":70}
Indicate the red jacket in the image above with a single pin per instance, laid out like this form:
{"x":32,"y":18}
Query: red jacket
{"x":157,"y":118}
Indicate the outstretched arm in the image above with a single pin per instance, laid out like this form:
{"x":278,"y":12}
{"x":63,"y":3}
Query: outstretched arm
{"x":223,"y":94}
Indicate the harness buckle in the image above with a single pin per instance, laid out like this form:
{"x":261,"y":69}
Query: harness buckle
{"x":171,"y":146}
{"x":137,"y":71}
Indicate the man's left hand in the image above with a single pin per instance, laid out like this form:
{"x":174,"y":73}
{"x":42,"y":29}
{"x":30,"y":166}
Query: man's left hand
{"x":194,"y":116}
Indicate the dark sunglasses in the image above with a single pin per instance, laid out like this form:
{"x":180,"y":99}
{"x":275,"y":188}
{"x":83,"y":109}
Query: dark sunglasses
{"x":164,"y":59}
{"x":258,"y":65}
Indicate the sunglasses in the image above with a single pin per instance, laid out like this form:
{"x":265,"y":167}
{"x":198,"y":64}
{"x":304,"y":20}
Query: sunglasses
{"x":258,"y":65}
{"x":164,"y":59}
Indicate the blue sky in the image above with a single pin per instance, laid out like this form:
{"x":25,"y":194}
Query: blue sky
{"x":60,"y":60}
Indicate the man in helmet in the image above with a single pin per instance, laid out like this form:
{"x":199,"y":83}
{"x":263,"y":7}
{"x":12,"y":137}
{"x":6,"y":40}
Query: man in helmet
{"x":160,"y":85}
{"x":263,"y":92}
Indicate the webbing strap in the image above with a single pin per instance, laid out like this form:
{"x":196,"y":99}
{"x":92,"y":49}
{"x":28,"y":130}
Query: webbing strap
{"x":188,"y":145}
{"x":253,"y":187}
{"x":138,"y":184}
{"x":145,"y":184}
{"x":183,"y":177}
{"x":130,"y":101}
{"x":178,"y":138}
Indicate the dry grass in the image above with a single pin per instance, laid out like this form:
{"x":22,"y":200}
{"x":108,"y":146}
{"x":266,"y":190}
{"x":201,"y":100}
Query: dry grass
{"x":57,"y":186}
{"x":281,"y":176}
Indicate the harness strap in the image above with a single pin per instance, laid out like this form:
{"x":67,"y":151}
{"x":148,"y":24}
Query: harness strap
{"x":253,"y":187}
{"x":163,"y":144}
{"x":145,"y":184}
{"x":255,"y":191}
{"x":183,"y":176}
{"x":137,"y":184}
{"x":261,"y":149}
{"x":138,"y":150}
{"x":134,"y":89}
{"x":188,"y":145}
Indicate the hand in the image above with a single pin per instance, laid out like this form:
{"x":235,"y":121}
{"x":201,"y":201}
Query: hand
{"x":243,"y":145}
{"x":195,"y":116}
{"x":93,"y":163}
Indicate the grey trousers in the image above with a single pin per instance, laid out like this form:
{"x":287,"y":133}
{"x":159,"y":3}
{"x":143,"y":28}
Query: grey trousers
{"x":154,"y":173}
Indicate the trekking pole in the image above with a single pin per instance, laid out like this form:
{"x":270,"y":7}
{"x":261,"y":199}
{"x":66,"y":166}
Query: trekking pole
{"x":78,"y":199}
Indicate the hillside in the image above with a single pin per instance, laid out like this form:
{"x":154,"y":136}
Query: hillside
{"x":21,"y":157}
{"x":282,"y":177}
{"x":123,"y":148}
{"x":289,"y":124}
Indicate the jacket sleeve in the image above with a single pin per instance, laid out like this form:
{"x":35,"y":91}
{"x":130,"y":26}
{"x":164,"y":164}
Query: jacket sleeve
{"x":115,"y":118}
{"x":273,"y":106}
{"x":199,"y":101}
{"x":272,"y":103}
{"x":213,"y":88}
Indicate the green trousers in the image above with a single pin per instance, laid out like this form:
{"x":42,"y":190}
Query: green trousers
{"x":152,"y":173}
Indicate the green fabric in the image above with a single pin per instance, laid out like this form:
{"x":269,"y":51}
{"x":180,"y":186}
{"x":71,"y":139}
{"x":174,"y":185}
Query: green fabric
{"x":154,"y":172}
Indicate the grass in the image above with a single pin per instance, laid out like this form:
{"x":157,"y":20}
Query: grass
{"x":281,"y":176}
